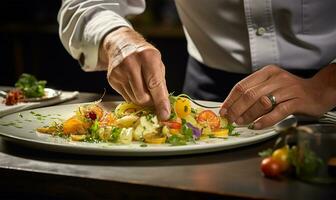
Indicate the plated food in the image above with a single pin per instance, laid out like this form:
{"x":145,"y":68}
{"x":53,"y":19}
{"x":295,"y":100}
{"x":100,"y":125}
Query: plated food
{"x":129,"y":123}
{"x":28,"y":89}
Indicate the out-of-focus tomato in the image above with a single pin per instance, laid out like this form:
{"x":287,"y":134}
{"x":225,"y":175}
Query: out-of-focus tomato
{"x":281,"y":155}
{"x":182,"y":107}
{"x":270,"y":167}
{"x":172,"y":124}
{"x":208,"y":118}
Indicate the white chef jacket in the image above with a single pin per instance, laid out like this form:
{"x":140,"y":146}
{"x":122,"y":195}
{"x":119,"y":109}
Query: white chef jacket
{"x":238,"y":36}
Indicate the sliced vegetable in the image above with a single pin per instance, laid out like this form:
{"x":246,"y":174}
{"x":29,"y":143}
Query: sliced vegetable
{"x":174,"y":131}
{"x":104,"y":133}
{"x":182,"y":107}
{"x":223,"y":122}
{"x":190,"y":119}
{"x":77,"y":137}
{"x":126,"y":108}
{"x":172,"y":124}
{"x":195,"y":131}
{"x":48,"y":130}
{"x":221,"y":133}
{"x":75,"y":126}
{"x":147,"y":125}
{"x":109,"y":119}
{"x":127,"y":121}
{"x":177,"y":140}
{"x":155,"y":138}
{"x":125,"y":136}
{"x":115,"y":134}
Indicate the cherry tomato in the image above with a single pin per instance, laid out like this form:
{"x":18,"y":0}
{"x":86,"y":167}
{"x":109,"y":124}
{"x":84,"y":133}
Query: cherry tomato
{"x":182,"y":107}
{"x":270,"y":167}
{"x":209,"y":118}
{"x":281,"y":155}
{"x":172,"y":124}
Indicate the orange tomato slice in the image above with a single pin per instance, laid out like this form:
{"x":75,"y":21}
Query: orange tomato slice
{"x":208,"y":118}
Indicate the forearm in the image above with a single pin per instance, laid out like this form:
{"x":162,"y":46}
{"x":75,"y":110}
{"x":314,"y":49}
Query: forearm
{"x":83,"y":25}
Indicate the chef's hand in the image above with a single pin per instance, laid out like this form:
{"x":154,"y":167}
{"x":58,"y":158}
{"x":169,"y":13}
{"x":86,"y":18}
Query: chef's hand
{"x":250,"y":100}
{"x":135,"y":70}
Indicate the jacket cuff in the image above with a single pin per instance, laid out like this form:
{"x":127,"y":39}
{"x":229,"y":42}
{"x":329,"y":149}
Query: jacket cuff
{"x":96,"y":29}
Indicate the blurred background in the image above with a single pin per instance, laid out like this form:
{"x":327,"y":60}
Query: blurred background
{"x":29,"y":43}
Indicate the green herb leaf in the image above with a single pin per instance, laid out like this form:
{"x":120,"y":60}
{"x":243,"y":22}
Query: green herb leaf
{"x":143,"y":145}
{"x":306,"y":162}
{"x":176,"y":140}
{"x":265,"y":153}
{"x":30,"y":86}
{"x":231,"y":127}
{"x":94,"y":129}
{"x":115,"y":134}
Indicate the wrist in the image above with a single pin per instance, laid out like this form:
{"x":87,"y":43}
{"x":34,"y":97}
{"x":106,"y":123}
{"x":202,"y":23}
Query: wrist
{"x":326,"y":81}
{"x":119,"y":44}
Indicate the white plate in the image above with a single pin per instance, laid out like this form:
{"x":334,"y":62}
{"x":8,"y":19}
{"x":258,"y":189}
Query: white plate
{"x":20,"y":128}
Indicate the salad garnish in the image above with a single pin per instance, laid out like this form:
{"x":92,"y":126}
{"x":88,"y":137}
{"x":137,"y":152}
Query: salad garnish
{"x":129,"y":122}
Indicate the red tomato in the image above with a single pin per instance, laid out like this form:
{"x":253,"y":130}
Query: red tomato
{"x":209,"y":118}
{"x":270,"y":167}
{"x":172,"y":124}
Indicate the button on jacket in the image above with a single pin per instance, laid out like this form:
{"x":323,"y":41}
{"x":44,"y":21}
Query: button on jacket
{"x":233,"y":35}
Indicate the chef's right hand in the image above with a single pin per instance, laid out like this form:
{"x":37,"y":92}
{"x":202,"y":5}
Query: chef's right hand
{"x":135,"y":70}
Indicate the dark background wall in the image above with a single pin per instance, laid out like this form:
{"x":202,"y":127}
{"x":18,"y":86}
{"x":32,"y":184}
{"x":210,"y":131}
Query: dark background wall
{"x":29,"y":42}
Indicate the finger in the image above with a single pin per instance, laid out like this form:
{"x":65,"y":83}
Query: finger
{"x":122,"y":92}
{"x":129,"y":92}
{"x":242,"y":86}
{"x":280,"y":112}
{"x":264,"y":105}
{"x":152,"y":71}
{"x":116,"y":82}
{"x":249,"y":98}
{"x":138,"y":87}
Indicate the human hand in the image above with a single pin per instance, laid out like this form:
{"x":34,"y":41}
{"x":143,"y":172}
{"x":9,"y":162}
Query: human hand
{"x":135,"y":70}
{"x":248,"y":101}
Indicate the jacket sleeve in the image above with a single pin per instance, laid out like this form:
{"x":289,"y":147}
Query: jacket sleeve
{"x":84,"y":23}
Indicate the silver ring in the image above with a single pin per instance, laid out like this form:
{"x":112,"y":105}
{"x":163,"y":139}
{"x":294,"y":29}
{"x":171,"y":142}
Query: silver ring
{"x":272,"y":99}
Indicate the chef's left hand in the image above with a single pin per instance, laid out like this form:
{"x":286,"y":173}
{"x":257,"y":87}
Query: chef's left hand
{"x":249,"y":101}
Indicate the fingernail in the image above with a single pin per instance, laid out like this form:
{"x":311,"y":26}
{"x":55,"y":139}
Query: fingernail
{"x":164,"y":114}
{"x":240,"y":120}
{"x":223,"y":111}
{"x":256,"y":126}
{"x":251,"y":126}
